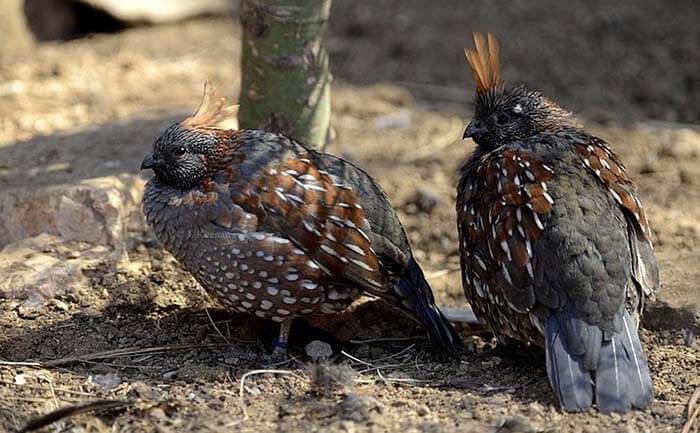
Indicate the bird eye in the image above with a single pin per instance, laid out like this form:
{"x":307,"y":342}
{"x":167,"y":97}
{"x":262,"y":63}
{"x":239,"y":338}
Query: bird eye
{"x":502,"y":119}
{"x":180,"y":150}
{"x":518,"y":109}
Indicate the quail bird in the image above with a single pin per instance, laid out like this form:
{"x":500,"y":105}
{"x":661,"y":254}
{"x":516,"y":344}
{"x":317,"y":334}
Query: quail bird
{"x":555,"y":246}
{"x":272,"y":228}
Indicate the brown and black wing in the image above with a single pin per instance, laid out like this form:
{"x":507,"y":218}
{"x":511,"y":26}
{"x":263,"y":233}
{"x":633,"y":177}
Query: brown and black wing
{"x":607,"y":167}
{"x":502,"y":204}
{"x":339,"y":217}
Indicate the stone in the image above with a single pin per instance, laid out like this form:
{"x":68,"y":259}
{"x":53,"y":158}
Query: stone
{"x":50,"y":234}
{"x":34,"y":273}
{"x":106,"y":381}
{"x":95,"y":211}
{"x":425,"y":200}
{"x":318,"y":350}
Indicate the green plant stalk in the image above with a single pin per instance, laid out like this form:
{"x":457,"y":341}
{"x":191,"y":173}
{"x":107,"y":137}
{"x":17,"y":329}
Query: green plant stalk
{"x":285,"y":84}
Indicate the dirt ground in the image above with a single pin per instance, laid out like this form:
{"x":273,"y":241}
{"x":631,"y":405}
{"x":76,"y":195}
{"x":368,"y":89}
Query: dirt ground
{"x":401,"y":98}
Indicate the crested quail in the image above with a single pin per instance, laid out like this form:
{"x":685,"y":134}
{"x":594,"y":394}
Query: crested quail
{"x":272,"y":228}
{"x":554,"y":243}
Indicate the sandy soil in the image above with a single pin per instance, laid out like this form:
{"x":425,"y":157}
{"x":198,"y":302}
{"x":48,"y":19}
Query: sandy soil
{"x":401,"y":98}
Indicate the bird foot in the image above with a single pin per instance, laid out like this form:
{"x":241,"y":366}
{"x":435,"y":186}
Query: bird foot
{"x":278,"y":356}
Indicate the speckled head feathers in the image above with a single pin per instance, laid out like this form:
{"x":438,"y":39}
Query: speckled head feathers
{"x":484,"y":62}
{"x":213,"y":112}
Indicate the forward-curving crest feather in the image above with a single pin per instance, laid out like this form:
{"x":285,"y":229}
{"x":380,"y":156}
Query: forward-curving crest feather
{"x":213,"y":112}
{"x":484,"y":62}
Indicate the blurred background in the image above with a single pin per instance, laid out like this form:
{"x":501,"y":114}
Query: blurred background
{"x":85,"y":87}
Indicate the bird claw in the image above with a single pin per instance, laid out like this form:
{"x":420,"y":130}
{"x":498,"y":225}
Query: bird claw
{"x":279,"y":354}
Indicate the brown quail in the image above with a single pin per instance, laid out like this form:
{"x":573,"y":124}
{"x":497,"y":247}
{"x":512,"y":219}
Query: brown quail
{"x":555,"y":245}
{"x":272,"y":228}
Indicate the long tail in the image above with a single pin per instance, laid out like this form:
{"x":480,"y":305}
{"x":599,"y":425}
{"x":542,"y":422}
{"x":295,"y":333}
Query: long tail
{"x":618,"y":370}
{"x":418,"y":297}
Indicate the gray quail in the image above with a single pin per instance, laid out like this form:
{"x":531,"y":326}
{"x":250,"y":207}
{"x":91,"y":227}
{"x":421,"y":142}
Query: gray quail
{"x":272,"y":228}
{"x":554,"y":243}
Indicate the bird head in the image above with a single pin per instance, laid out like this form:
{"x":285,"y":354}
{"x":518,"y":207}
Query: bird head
{"x":504,"y":115}
{"x":191,"y":149}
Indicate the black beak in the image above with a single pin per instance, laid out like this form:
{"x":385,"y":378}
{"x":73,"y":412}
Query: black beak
{"x":150,"y":161}
{"x":474,"y":129}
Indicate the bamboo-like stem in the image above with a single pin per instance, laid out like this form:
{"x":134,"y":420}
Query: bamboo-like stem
{"x":285,"y":84}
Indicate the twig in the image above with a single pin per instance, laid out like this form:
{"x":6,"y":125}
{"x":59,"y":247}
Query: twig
{"x":70,"y":411}
{"x":441,"y":273}
{"x":387,"y":339}
{"x":358,"y":360}
{"x":241,"y":388}
{"x":693,"y":411}
{"x":122,"y":353}
{"x":216,"y":328}
{"x":417,"y":359}
{"x":21,"y":364}
{"x":115,"y":365}
{"x":386,"y":367}
{"x":65,"y":390}
{"x":403,"y":380}
{"x":399,"y":353}
{"x":53,"y":393}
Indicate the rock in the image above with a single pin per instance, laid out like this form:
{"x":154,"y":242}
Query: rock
{"x":34,"y":274}
{"x":95,"y":211}
{"x":422,"y":410}
{"x":515,"y":424}
{"x":107,"y":381}
{"x":677,"y":305}
{"x":59,"y":305}
{"x":30,"y":309}
{"x":425,"y":200}
{"x":318,"y":350}
{"x":20,"y":379}
{"x":50,"y":234}
{"x":169,"y":375}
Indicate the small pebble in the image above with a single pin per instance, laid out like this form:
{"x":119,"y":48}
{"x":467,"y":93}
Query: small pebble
{"x":106,"y":381}
{"x":29,"y":310}
{"x":59,"y":305}
{"x":318,"y":350}
{"x":422,"y":410}
{"x":425,"y":200}
{"x":232,"y":360}
{"x":158,"y":413}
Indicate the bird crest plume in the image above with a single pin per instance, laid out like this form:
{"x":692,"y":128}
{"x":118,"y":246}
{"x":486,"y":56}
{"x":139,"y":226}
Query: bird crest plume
{"x":213,"y":112}
{"x":484,"y":62}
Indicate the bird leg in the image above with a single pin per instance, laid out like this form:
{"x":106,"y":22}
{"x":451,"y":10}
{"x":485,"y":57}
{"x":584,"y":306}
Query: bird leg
{"x":279,"y":353}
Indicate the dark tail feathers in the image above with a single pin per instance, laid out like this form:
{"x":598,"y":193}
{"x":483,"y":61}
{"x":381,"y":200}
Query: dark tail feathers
{"x":418,"y":297}
{"x":622,"y":379}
